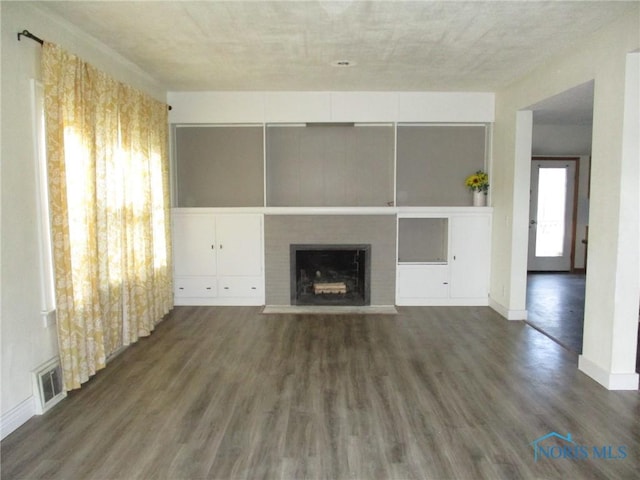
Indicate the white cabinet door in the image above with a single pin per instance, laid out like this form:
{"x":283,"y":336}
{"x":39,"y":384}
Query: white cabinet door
{"x":420,"y":282}
{"x":187,"y":287}
{"x":469,"y":256}
{"x":242,"y":287}
{"x":194,"y":245}
{"x":239,"y":245}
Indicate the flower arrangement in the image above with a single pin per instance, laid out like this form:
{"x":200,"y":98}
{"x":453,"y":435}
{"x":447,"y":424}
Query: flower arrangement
{"x":478,"y":182}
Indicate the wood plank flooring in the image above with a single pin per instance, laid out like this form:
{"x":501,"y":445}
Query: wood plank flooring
{"x":555,"y":306}
{"x":430,"y":393}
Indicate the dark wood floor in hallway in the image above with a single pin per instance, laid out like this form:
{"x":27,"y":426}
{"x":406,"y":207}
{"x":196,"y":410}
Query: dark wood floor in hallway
{"x":430,"y":393}
{"x":555,"y":306}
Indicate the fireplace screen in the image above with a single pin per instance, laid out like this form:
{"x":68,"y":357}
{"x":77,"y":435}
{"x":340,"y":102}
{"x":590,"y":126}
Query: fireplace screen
{"x":330,"y":274}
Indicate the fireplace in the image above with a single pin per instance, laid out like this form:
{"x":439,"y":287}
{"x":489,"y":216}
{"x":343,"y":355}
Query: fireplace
{"x":330,"y":274}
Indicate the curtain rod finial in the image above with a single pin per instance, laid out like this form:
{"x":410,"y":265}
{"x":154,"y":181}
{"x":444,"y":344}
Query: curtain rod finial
{"x":28,"y":34}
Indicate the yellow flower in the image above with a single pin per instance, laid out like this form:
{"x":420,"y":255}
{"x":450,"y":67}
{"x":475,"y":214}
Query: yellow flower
{"x":478,"y":182}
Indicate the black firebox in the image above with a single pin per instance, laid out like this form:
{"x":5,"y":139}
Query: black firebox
{"x":330,"y":275}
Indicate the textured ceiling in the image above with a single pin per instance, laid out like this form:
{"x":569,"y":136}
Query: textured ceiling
{"x":400,"y":46}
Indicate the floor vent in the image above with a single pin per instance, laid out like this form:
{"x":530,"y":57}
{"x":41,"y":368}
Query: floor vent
{"x":48,"y":387}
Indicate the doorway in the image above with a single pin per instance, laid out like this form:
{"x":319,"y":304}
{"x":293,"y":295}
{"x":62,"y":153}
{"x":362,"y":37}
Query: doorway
{"x":555,"y":289}
{"x":552,"y":213}
{"x":560,"y":164}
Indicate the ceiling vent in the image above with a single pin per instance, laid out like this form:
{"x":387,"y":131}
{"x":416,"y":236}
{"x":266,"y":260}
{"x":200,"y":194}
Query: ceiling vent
{"x":343,"y":63}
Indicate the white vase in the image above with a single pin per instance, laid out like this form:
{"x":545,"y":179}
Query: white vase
{"x":479,"y":199}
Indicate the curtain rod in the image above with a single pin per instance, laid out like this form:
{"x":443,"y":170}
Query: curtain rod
{"x":28,"y":34}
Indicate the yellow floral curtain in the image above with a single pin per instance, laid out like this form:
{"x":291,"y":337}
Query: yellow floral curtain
{"x":108,"y":174}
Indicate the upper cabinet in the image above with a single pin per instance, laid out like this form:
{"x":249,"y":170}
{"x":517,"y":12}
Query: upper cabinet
{"x":433,"y":162}
{"x":229,"y":107}
{"x":219,"y":166}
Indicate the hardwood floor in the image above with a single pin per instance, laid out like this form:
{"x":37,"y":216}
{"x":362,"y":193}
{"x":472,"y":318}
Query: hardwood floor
{"x":555,"y":305}
{"x":430,"y":393}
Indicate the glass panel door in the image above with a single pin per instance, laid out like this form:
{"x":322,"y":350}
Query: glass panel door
{"x":551,"y":215}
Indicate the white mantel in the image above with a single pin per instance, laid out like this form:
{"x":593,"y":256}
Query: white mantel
{"x":405,"y":212}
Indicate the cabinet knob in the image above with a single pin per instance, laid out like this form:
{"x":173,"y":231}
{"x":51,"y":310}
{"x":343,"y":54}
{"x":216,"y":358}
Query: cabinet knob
{"x":220,"y":246}
{"x":213,"y":247}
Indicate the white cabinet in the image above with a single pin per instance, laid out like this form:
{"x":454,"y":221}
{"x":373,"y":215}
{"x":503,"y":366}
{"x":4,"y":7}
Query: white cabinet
{"x":460,"y":273}
{"x":417,"y":282}
{"x":239,"y":245}
{"x":470,"y":243}
{"x":217,"y":258}
{"x":241,"y":287}
{"x":195,"y":287}
{"x":194,"y":245}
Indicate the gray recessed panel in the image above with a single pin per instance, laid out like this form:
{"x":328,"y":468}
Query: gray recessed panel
{"x":433,"y":162}
{"x":219,"y":166}
{"x":329,"y":165}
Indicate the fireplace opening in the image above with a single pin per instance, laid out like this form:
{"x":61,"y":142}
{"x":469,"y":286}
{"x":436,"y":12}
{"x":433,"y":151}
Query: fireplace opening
{"x":330,"y":274}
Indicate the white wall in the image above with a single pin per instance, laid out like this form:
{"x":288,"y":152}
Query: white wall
{"x":567,"y":140}
{"x":26,"y":343}
{"x":610,"y":310}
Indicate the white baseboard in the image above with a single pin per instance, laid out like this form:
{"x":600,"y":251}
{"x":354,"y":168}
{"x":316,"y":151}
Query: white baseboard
{"x":442,"y":302}
{"x":17,"y":416}
{"x":610,"y":381}
{"x":506,"y":313}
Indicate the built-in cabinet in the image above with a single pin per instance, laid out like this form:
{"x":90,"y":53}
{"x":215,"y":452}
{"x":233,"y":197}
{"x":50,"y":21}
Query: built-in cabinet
{"x":414,"y":170}
{"x":444,"y":257}
{"x":218,"y":258}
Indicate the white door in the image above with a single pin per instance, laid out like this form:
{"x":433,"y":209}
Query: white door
{"x":422,"y":282}
{"x":239,"y":245}
{"x":470,"y":251}
{"x":551,"y":215}
{"x":194,"y":239}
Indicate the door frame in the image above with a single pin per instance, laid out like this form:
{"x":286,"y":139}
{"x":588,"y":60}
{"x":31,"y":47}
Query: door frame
{"x":574,"y":213}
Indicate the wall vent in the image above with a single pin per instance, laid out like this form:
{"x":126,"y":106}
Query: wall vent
{"x":47,"y":385}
